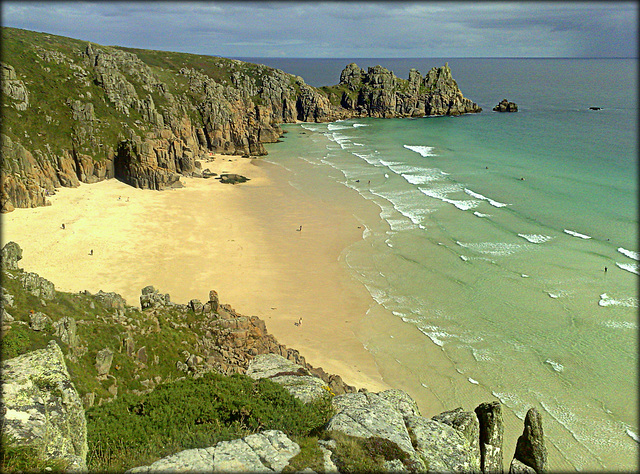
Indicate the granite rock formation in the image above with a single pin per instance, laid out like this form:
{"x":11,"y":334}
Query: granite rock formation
{"x":531,"y":453}
{"x":42,"y":408}
{"x":506,"y":106}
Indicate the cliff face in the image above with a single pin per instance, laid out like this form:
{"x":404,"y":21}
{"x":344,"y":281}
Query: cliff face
{"x":80,"y":112}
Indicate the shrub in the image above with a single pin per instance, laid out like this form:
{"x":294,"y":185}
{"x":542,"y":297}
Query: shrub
{"x":194,"y":413}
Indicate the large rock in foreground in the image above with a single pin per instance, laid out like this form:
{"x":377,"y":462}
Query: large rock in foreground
{"x":269,"y":451}
{"x":42,"y":407}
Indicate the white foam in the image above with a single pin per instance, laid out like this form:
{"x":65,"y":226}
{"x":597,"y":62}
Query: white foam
{"x":498,"y":249}
{"x":629,"y":253}
{"x":422,"y":150}
{"x":606,"y":300}
{"x":440,"y":194}
{"x":553,"y":295}
{"x":484,"y":198}
{"x":434,"y":333}
{"x":630,"y":267}
{"x":423,"y":384}
{"x":558,"y":367}
{"x":356,"y":125}
{"x":475,"y":382}
{"x":310,"y":128}
{"x":619,"y":324}
{"x":524,"y":276}
{"x":333,"y":126}
{"x":480,"y":214}
{"x":536,"y":238}
{"x":632,"y":435}
{"x":432,"y":175}
{"x":576,"y":234}
{"x":464,"y":258}
{"x":481,"y":355}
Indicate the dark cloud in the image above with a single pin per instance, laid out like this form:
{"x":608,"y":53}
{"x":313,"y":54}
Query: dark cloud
{"x":343,"y":29}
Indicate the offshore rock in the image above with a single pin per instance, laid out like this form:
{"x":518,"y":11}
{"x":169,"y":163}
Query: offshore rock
{"x":530,"y":448}
{"x":42,"y":407}
{"x":491,"y":434}
{"x":506,"y":106}
{"x":269,"y":451}
{"x":379,"y":93}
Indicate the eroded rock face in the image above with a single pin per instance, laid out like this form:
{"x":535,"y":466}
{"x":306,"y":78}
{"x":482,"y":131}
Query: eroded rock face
{"x":269,"y":451}
{"x":466,"y":423}
{"x":491,"y":435}
{"x":43,"y":408}
{"x":530,"y":448}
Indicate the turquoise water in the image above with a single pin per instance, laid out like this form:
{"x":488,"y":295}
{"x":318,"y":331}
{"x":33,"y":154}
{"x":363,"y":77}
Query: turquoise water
{"x":505,"y":275}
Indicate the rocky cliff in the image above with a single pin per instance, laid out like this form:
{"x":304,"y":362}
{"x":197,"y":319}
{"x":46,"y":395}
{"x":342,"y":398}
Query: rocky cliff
{"x":379,"y":93}
{"x":80,"y":112}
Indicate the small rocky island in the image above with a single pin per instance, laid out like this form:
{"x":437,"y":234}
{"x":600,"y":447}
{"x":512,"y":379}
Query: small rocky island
{"x":506,"y":106}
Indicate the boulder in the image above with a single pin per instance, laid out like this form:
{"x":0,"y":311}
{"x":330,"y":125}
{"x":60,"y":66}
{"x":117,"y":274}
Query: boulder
{"x":111,"y":300}
{"x":491,"y":433}
{"x":66,"y":330}
{"x":11,"y":254}
{"x":38,"y":321}
{"x":530,"y":448}
{"x":269,"y":451}
{"x":150,"y":298}
{"x":368,"y":415}
{"x":104,"y":358}
{"x":441,"y":447}
{"x":42,"y":408}
{"x":465,"y":422}
{"x":505,"y":106}
{"x":295,"y":378}
{"x":232,"y":178}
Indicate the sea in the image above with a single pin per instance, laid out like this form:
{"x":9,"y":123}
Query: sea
{"x":502,"y":258}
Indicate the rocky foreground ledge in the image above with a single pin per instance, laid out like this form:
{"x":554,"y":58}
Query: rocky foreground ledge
{"x":46,"y":391}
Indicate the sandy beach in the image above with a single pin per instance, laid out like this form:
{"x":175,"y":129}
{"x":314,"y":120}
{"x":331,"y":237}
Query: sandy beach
{"x":241,"y":240}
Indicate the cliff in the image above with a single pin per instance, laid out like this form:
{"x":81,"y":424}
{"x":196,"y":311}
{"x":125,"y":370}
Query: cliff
{"x":80,"y":112}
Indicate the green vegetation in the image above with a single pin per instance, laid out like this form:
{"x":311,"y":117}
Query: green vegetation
{"x":26,"y":459}
{"x":359,"y":455}
{"x":194,"y":413}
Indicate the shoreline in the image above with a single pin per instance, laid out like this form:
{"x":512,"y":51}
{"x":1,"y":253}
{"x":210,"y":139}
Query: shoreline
{"x":240,"y":240}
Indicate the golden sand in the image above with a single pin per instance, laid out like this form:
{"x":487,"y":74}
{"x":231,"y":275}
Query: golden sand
{"x":241,"y":240}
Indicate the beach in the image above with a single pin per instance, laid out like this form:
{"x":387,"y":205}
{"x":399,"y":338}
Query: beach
{"x":241,"y":240}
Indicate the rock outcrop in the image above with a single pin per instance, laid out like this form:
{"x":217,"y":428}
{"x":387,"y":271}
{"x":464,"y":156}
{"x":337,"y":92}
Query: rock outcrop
{"x":394,"y":416}
{"x":379,"y":93}
{"x":531,"y":453}
{"x":42,"y":408}
{"x":505,"y":106}
{"x":269,"y":451}
{"x":491,"y":434}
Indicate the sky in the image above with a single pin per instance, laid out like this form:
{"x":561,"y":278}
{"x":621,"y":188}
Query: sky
{"x":345,"y":29}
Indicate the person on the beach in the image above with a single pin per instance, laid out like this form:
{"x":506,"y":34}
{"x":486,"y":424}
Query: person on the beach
{"x":62,"y":225}
{"x":605,"y":269}
{"x":91,"y":252}
{"x":299,"y":229}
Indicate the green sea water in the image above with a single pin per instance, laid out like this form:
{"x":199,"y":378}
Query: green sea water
{"x":490,"y":239}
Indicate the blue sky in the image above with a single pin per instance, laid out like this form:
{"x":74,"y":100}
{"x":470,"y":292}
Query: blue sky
{"x":343,"y":29}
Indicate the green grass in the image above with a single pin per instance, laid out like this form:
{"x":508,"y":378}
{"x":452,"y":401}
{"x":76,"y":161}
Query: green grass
{"x":26,"y":459}
{"x":194,"y":413}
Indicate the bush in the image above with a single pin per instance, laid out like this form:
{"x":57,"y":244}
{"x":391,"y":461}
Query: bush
{"x":194,"y":413}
